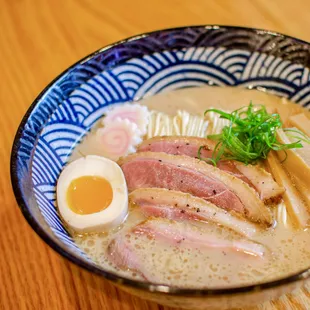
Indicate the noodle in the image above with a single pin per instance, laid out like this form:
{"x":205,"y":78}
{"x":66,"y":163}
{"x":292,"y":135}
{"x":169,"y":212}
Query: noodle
{"x":183,"y":123}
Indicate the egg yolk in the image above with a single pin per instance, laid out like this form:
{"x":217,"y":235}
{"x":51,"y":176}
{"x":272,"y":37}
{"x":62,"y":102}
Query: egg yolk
{"x":89,"y":194}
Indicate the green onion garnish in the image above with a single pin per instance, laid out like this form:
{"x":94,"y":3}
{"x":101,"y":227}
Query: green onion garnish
{"x":250,"y":136}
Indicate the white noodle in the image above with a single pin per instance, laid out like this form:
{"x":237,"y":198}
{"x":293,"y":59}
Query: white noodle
{"x":200,"y":128}
{"x":196,"y":125}
{"x":176,"y":126}
{"x":204,"y":128}
{"x":182,"y":123}
{"x":157,"y":124}
{"x":217,"y":123}
{"x":190,"y":127}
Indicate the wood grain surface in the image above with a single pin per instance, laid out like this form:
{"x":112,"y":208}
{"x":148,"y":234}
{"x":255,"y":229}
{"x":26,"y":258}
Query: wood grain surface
{"x":38,"y":40}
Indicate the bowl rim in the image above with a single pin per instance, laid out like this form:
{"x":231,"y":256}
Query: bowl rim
{"x":113,"y":277}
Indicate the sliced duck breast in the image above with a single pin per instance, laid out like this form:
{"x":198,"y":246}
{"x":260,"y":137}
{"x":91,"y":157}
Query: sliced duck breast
{"x":255,"y":176}
{"x":176,"y":205}
{"x":177,"y":233}
{"x":129,"y":250}
{"x":189,"y":175}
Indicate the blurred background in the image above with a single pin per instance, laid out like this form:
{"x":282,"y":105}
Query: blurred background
{"x":38,"y":40}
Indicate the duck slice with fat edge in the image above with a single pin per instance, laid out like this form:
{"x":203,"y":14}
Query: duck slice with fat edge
{"x":176,"y":205}
{"x":178,"y":233}
{"x":255,"y":176}
{"x":189,"y":175}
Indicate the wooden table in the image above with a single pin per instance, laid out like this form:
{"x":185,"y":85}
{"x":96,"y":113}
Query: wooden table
{"x":38,"y":40}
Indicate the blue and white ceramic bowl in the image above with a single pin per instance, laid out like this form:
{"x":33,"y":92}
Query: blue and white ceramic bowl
{"x":129,"y":70}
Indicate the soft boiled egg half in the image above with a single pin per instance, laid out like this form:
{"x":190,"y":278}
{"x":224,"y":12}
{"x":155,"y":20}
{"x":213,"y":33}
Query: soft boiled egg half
{"x":92,"y":194}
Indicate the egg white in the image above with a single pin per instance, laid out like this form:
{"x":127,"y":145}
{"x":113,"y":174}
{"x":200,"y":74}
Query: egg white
{"x":106,"y":219}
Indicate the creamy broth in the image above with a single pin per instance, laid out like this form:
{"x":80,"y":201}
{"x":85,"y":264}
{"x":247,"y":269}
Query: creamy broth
{"x":187,"y":266}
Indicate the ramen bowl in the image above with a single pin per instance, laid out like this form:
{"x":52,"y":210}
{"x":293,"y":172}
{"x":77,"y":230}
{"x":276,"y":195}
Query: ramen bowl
{"x":129,"y":70}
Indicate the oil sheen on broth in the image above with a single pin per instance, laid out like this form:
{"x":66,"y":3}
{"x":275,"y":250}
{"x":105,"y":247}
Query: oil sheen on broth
{"x":187,"y":266}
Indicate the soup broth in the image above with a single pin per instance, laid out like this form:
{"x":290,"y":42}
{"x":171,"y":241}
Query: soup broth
{"x":190,"y":264}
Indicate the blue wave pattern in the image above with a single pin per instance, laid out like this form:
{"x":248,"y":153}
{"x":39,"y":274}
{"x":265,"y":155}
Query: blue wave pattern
{"x":214,"y":66}
{"x":141,"y":68}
